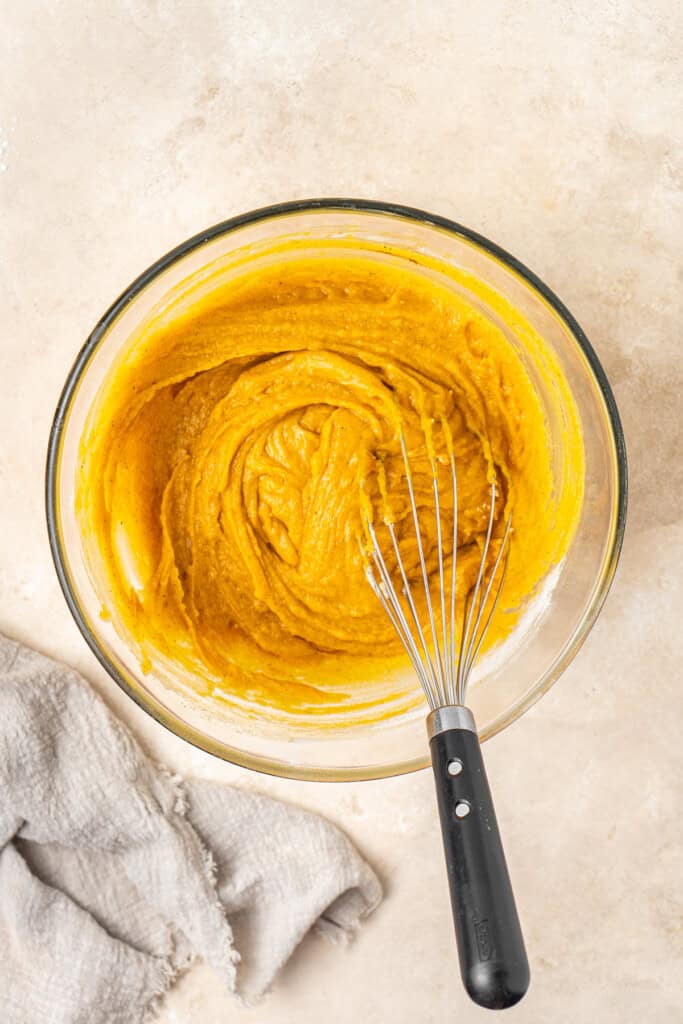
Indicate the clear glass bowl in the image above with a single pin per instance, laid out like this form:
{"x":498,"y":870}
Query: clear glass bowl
{"x":509,"y":685}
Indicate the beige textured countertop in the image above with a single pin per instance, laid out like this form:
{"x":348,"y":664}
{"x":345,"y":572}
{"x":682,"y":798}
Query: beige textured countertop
{"x":554,"y":128}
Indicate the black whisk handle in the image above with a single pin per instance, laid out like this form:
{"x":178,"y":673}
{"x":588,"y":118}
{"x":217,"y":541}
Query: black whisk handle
{"x":493,"y":960}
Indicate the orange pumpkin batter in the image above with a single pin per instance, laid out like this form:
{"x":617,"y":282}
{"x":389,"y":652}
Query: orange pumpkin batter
{"x":229,"y":453}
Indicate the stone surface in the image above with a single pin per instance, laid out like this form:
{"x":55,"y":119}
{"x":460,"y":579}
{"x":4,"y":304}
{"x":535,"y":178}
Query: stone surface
{"x":555,"y":129}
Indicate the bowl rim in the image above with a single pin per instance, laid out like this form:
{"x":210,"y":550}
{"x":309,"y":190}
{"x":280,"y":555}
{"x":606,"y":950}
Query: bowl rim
{"x":170,"y":720}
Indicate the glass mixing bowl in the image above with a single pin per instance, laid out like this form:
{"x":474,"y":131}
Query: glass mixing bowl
{"x":506,"y":685}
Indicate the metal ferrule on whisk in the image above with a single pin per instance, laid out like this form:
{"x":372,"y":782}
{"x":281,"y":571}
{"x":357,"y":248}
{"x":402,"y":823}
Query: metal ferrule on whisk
{"x":453,"y":716}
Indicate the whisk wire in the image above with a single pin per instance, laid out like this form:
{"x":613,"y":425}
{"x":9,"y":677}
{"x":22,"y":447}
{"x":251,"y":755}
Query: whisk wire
{"x":466,"y":639}
{"x":439,"y":547}
{"x":392,"y":606}
{"x":479,"y":641}
{"x":423,"y":564}
{"x":411,"y":604}
{"x":454,"y":558}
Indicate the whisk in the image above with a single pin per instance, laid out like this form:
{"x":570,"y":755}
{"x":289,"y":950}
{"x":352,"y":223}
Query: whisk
{"x":493,"y":960}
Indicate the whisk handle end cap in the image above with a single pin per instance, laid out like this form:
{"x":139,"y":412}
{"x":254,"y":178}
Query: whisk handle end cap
{"x":493,"y":960}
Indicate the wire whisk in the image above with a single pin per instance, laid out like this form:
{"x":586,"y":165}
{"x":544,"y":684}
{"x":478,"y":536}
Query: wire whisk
{"x":493,"y":960}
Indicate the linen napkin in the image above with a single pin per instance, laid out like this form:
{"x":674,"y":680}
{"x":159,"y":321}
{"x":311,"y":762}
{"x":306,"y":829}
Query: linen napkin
{"x":115,"y":875}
